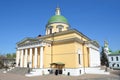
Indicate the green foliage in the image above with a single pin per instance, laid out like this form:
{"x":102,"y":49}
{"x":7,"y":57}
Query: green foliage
{"x":11,"y":55}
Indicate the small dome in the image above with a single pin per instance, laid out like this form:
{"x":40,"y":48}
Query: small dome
{"x":57,"y":18}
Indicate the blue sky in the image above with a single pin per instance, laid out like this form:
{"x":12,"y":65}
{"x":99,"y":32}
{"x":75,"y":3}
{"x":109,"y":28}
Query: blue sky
{"x":97,"y":19}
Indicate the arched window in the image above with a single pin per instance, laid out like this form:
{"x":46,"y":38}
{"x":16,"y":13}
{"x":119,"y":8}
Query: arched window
{"x":49,"y":29}
{"x":113,"y":65}
{"x":117,"y":65}
{"x":111,"y":58}
{"x":59,"y":28}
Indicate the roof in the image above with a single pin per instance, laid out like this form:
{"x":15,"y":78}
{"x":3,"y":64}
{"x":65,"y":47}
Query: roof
{"x":57,"y":63}
{"x":115,"y":53}
{"x":26,"y":39}
{"x":57,"y":18}
{"x":66,"y":32}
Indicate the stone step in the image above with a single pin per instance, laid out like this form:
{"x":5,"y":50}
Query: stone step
{"x":18,"y":70}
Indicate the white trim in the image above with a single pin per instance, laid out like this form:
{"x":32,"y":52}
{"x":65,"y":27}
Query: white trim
{"x":93,"y":47}
{"x":32,"y":46}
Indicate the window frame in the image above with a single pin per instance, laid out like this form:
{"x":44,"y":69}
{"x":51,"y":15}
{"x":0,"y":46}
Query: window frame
{"x":117,"y":58}
{"x":111,"y":58}
{"x":60,"y":27}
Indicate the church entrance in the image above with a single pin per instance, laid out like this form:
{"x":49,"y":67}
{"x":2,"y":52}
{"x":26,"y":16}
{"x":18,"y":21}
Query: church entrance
{"x":56,"y":68}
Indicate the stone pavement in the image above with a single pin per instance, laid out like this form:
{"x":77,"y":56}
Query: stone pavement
{"x":10,"y":76}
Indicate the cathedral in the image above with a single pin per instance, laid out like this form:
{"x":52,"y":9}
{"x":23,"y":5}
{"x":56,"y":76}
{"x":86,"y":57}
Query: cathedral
{"x":61,"y":50}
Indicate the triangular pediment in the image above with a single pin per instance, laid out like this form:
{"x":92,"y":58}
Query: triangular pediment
{"x":27,"y":40}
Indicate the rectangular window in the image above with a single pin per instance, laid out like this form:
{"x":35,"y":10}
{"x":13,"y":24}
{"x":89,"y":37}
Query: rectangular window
{"x":60,"y":29}
{"x":79,"y":59}
{"x":111,"y":58}
{"x":116,"y":58}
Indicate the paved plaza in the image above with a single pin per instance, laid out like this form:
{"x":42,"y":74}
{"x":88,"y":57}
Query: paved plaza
{"x":10,"y":76}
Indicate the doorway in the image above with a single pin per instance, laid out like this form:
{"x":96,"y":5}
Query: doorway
{"x":56,"y":68}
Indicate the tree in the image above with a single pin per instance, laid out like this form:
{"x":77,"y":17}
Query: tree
{"x":14,"y":55}
{"x":104,"y":59}
{"x":8,"y":55}
{"x":11,"y":55}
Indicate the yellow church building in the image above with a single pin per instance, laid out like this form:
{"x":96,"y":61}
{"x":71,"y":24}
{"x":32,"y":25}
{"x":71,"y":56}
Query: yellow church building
{"x":61,"y":50}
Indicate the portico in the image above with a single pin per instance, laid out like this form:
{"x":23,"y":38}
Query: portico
{"x":30,"y":54}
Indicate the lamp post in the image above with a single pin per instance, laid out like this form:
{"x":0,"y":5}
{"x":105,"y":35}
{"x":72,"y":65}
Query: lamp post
{"x":28,"y":65}
{"x":106,"y":66}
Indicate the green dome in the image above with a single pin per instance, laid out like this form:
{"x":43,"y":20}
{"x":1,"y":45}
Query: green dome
{"x":57,"y":18}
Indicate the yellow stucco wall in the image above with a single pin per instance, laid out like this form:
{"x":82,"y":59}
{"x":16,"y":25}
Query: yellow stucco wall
{"x":47,"y":56}
{"x":66,"y":52}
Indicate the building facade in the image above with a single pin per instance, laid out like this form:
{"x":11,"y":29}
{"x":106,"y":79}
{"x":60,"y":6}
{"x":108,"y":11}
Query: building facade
{"x":114,"y":60}
{"x":62,"y":50}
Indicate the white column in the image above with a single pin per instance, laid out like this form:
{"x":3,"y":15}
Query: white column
{"x":17,"y":58}
{"x":30,"y":58}
{"x":35,"y":58}
{"x":25,"y":58}
{"x":41,"y":57}
{"x":21,"y":58}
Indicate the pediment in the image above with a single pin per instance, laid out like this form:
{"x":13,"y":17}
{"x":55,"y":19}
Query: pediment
{"x":27,"y":40}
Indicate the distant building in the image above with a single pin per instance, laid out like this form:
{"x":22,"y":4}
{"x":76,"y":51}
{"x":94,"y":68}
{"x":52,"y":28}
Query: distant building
{"x":113,"y":57}
{"x":114,"y":60}
{"x":61,"y":51}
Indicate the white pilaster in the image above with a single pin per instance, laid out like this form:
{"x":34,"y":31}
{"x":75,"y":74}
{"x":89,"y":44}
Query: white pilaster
{"x":30,"y":58}
{"x":21,"y":58}
{"x":17,"y":58}
{"x":25,"y":58}
{"x":35,"y":58}
{"x":41,"y":57}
